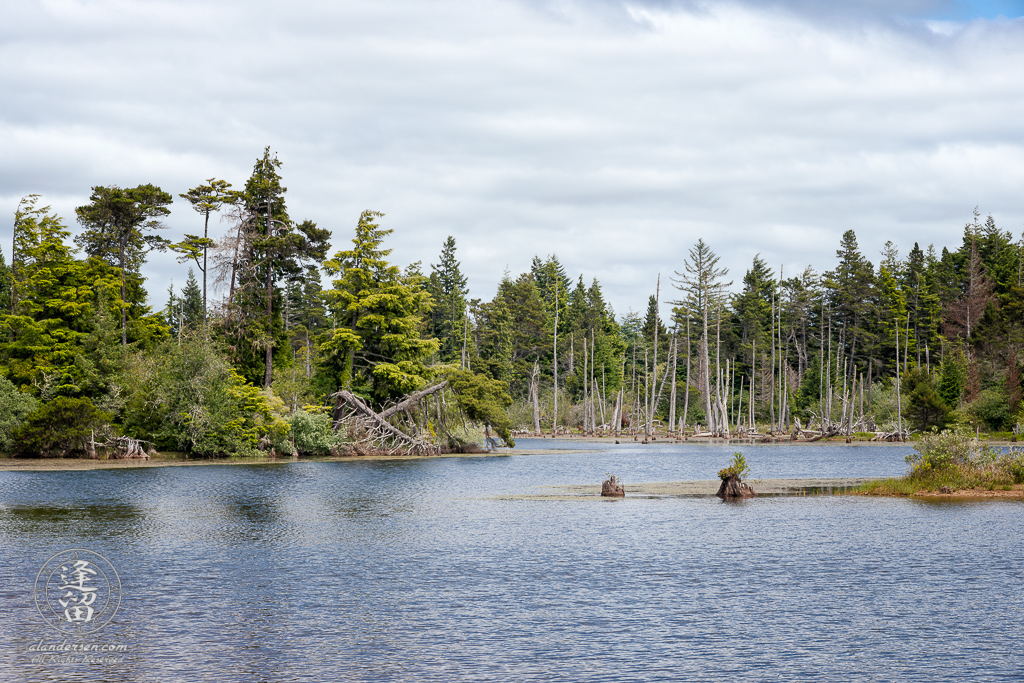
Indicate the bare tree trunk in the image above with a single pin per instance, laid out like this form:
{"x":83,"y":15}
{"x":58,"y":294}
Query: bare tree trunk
{"x":899,"y":405}
{"x":705,"y":369}
{"x":672,"y":395}
{"x":771,"y":399}
{"x":554,"y":419}
{"x":534,"y":389}
{"x":722,"y":419}
{"x":654,"y":367}
{"x":686,"y":398}
{"x":821,"y":370}
{"x":739,"y":411}
{"x":753,"y":386}
{"x":585,"y":388}
{"x":206,"y":235}
{"x":593,"y":384}
{"x":647,"y":392}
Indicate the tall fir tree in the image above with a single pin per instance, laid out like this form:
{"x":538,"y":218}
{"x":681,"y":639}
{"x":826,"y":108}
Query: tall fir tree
{"x":447,"y":286}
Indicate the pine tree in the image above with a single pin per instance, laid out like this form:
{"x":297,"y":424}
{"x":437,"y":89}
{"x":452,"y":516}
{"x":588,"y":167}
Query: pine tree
{"x":270,"y":248}
{"x":191,"y":303}
{"x":703,"y":286}
{"x":114,"y":222}
{"x":448,"y":289}
{"x":377,"y":349}
{"x":205,"y":199}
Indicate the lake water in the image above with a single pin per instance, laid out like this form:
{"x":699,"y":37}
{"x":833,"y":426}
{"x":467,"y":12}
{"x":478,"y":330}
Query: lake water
{"x":419,"y":571}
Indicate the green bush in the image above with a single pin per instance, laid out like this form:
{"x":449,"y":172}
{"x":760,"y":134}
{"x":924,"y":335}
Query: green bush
{"x":992,"y":410}
{"x":60,"y":428}
{"x":957,"y":460}
{"x":14,"y":407}
{"x":187,"y":397}
{"x":313,"y":434}
{"x":923,"y":407}
{"x":738,"y":468}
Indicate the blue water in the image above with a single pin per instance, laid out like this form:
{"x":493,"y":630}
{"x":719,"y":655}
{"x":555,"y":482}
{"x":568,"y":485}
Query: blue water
{"x":418,"y":571}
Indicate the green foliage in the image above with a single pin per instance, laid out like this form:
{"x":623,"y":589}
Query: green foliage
{"x":313,"y":434}
{"x":923,"y":407}
{"x":188,"y":397}
{"x":447,"y":287}
{"x":738,"y":468}
{"x":14,"y":406}
{"x":377,"y":348}
{"x":6,"y":283}
{"x":990,"y":410}
{"x":113,"y":225}
{"x":59,"y":428}
{"x":271,"y":247}
{"x":956,"y":460}
{"x":952,"y":376}
{"x":946,"y":449}
{"x":483,"y":400}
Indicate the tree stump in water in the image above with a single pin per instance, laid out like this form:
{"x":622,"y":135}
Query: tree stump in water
{"x":733,"y":487}
{"x":612,"y":488}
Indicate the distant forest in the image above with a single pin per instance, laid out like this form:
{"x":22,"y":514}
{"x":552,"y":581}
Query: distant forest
{"x":252,"y":351}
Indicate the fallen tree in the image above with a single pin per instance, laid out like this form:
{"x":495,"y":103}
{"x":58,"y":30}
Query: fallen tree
{"x":428,"y":421}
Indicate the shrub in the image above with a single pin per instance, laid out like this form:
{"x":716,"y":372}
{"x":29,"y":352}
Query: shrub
{"x":14,"y":407}
{"x":923,"y":407}
{"x":60,"y":428}
{"x":738,"y":468}
{"x":957,"y":460}
{"x":187,"y":397}
{"x":313,"y":434}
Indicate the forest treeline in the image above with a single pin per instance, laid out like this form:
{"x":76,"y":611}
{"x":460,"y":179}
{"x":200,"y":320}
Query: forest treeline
{"x":251,"y":352}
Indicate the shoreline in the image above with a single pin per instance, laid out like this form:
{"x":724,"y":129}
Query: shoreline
{"x":86,"y":464}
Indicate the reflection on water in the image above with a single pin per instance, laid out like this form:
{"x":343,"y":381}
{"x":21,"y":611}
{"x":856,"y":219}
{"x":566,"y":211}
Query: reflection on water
{"x":413,"y":570}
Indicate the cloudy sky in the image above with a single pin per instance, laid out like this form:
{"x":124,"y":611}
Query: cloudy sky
{"x":613,"y":134}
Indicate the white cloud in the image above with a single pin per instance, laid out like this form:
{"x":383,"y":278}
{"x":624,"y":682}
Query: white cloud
{"x":613,"y":137}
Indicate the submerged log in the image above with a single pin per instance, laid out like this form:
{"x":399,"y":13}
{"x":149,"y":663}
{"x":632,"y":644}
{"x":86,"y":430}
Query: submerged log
{"x":733,"y":487}
{"x":612,"y":488}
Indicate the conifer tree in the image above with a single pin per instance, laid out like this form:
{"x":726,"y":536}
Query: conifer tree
{"x":205,"y":199}
{"x":448,"y":289}
{"x":270,"y":248}
{"x":114,"y":224}
{"x":191,"y":303}
{"x":376,"y":349}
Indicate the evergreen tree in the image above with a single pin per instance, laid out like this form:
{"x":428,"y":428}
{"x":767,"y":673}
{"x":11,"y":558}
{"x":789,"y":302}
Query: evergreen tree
{"x":54,"y":341}
{"x":852,"y":292}
{"x":191,"y":303}
{"x":376,"y":349}
{"x":448,"y":289}
{"x":205,"y":199}
{"x":271,"y":247}
{"x":702,"y":284}
{"x":114,"y":222}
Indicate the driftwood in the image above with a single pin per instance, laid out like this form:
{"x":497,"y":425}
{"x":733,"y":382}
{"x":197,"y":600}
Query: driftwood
{"x":122,"y":448}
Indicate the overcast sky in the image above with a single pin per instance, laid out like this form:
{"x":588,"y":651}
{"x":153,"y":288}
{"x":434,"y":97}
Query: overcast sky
{"x":613,"y":134}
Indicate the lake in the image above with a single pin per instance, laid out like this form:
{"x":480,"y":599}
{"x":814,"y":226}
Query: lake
{"x":422,"y":570}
